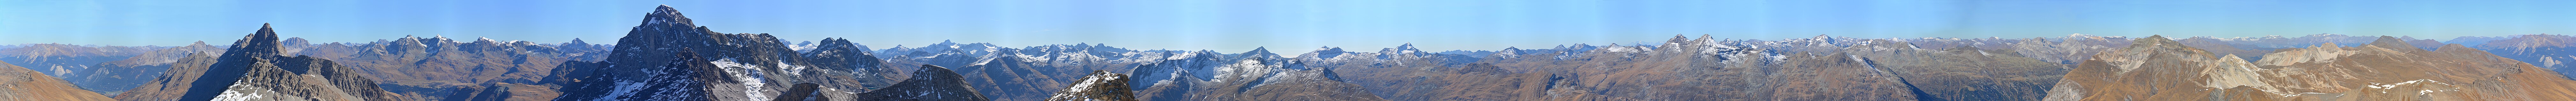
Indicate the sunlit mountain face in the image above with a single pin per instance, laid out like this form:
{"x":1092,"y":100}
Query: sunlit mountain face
{"x":667,"y":56}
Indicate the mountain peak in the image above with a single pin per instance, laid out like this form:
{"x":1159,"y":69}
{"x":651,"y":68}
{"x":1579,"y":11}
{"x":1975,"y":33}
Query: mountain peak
{"x":666,"y":15}
{"x":2158,"y":42}
{"x":261,"y":43}
{"x":2394,"y":44}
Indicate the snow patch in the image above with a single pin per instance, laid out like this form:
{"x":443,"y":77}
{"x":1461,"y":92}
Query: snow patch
{"x":750,"y":76}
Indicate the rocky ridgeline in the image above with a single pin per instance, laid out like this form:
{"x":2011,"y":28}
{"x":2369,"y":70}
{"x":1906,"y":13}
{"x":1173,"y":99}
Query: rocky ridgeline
{"x":254,"y":69}
{"x":667,"y":57}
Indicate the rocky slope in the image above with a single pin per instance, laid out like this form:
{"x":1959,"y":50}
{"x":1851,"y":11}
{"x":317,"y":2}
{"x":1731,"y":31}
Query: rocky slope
{"x":1249,"y":76}
{"x":1100,"y":86}
{"x":432,"y":67}
{"x":751,"y":67}
{"x":2555,"y":52}
{"x":932,"y":83}
{"x":117,"y":76}
{"x":252,"y":69}
{"x":22,"y":84}
{"x":2386,"y":69}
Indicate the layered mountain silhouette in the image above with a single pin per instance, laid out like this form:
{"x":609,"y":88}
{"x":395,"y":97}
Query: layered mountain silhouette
{"x":2386,"y":69}
{"x":254,"y":69}
{"x":28,"y":85}
{"x":666,"y":57}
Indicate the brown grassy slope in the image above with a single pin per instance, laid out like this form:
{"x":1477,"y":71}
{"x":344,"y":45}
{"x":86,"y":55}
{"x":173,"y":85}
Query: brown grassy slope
{"x":169,"y":85}
{"x":2389,"y":69}
{"x":22,"y":84}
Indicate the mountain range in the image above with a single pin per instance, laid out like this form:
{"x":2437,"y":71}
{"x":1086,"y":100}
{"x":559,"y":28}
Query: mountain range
{"x":667,"y":57}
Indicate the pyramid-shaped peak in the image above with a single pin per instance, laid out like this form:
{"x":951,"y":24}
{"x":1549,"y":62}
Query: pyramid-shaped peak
{"x":667,"y":15}
{"x":261,"y":43}
{"x":666,"y":9}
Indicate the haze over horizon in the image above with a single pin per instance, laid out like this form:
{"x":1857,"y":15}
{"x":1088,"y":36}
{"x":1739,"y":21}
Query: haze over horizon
{"x":1289,"y":26}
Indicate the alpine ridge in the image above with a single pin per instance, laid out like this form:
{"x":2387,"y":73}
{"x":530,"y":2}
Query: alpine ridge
{"x":667,"y":57}
{"x":254,"y":69}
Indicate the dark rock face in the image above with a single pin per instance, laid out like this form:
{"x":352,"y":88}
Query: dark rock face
{"x":253,"y":70}
{"x":839,"y":55}
{"x":932,"y":83}
{"x":745,"y":67}
{"x":230,"y":66}
{"x":505,"y":92}
{"x":686,"y":78}
{"x":1100,"y":86}
{"x":802,"y":92}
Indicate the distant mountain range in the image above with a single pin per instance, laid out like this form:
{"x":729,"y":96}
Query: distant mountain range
{"x":666,"y":57}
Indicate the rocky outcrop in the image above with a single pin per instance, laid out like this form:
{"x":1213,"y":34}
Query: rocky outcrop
{"x":932,"y":83}
{"x":1100,"y":86}
{"x":28,"y":85}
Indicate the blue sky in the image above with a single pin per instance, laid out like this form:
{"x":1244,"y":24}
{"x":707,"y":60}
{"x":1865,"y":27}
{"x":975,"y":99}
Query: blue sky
{"x":1293,"y":26}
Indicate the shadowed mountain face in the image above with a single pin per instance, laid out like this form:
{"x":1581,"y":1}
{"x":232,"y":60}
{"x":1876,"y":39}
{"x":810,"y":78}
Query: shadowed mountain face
{"x":742,"y":67}
{"x":932,"y":83}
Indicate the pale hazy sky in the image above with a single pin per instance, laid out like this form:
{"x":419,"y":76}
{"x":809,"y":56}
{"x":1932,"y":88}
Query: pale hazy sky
{"x":1290,"y":26}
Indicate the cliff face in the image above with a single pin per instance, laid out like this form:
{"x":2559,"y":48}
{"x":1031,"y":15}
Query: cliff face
{"x":2387,"y":69}
{"x":28,"y":85}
